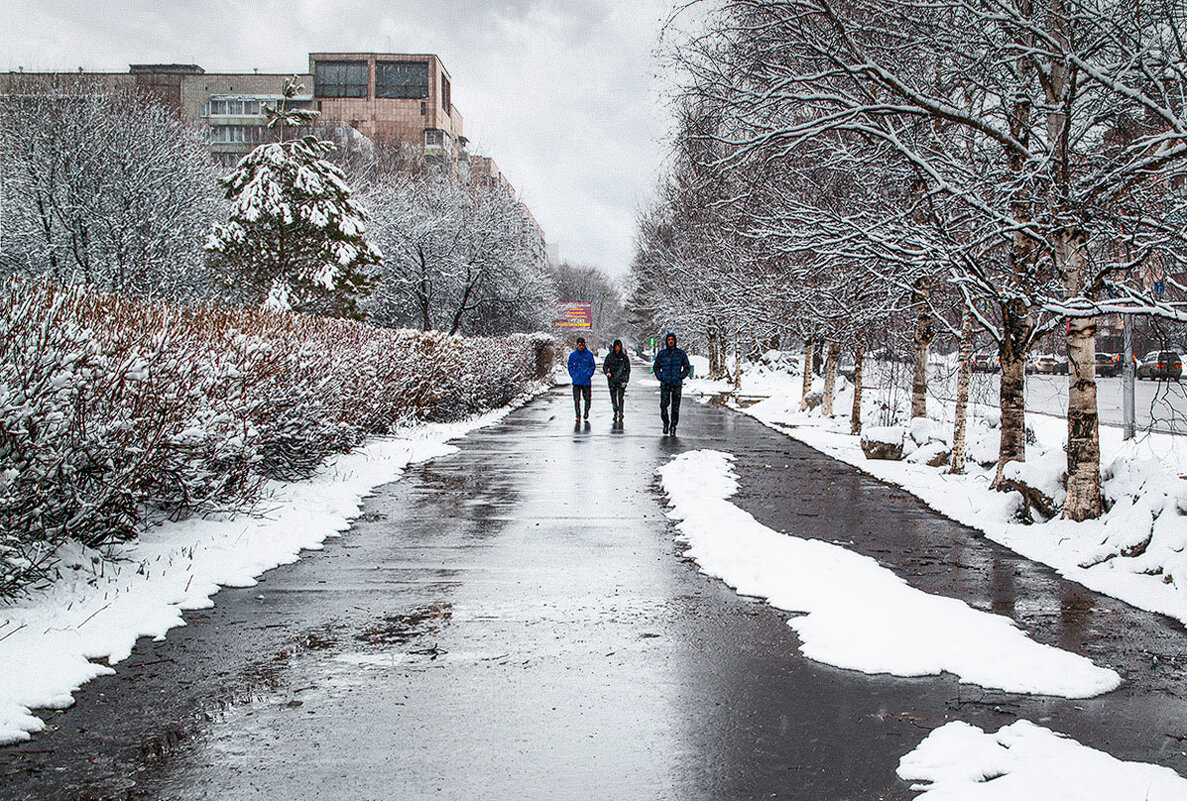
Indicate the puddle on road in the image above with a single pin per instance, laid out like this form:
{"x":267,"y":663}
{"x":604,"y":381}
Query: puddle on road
{"x":402,"y":629}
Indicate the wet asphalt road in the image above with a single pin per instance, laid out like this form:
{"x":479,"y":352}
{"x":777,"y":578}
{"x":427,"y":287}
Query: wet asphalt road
{"x":514,"y":621}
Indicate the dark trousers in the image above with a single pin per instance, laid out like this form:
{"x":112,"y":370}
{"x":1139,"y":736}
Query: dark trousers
{"x":669,"y":394}
{"x":617,"y":393}
{"x":582,"y":391}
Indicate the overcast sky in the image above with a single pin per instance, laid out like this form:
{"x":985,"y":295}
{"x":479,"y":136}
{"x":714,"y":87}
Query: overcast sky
{"x":560,"y":92}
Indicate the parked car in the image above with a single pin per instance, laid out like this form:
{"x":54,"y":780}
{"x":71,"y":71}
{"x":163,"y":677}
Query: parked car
{"x":1161,"y":365}
{"x":1043,"y":364}
{"x":985,"y":363}
{"x":1108,"y":364}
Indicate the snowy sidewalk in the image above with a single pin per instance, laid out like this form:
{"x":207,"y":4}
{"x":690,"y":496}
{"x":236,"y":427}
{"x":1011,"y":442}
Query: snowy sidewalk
{"x":514,"y":620}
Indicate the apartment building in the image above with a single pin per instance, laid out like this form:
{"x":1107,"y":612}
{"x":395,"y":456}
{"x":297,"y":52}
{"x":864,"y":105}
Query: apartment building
{"x":384,"y":97}
{"x":362,"y":98}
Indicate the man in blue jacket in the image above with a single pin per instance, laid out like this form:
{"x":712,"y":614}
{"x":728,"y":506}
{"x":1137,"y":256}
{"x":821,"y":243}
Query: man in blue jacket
{"x":671,"y":367}
{"x":581,"y":370}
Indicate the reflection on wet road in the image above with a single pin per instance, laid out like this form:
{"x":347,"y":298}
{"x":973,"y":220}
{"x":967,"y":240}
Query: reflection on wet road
{"x":514,"y":621}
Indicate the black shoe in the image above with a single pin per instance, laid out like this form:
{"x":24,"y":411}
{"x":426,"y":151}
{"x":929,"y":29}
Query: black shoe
{"x":587,"y":414}
{"x":665,"y":428}
{"x":673,"y":431}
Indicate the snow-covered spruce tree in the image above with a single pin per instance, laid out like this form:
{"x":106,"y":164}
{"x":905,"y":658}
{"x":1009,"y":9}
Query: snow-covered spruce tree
{"x":295,"y":239}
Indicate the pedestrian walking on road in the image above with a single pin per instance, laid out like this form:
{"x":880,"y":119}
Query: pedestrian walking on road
{"x":581,"y":370}
{"x":671,"y":367}
{"x":617,"y":368}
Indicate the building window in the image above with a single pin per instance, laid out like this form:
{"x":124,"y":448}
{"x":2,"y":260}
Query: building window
{"x":422,"y":108}
{"x":340,"y":78}
{"x":238,"y":106}
{"x":445,"y":102}
{"x":235,"y":134}
{"x":402,"y":79}
{"x":437,"y":139}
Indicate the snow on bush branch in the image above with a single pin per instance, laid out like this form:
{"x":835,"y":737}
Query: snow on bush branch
{"x":115,"y":412}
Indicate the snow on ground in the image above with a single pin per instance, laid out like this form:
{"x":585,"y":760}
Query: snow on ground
{"x":1136,"y":552}
{"x":858,"y":614}
{"x":1023,"y":761}
{"x":60,"y":638}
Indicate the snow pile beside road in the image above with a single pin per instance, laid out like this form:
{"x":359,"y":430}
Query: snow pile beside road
{"x":1024,"y":761}
{"x":857,"y":614}
{"x":1137,"y":551}
{"x":101,"y":607}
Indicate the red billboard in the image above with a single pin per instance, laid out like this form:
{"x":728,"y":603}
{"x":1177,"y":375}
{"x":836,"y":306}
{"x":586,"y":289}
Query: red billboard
{"x":573,"y":315}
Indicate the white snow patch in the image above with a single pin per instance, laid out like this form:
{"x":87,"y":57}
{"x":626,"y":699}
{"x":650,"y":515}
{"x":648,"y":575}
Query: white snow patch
{"x":1136,"y":552}
{"x":98,"y":609}
{"x":858,"y":614}
{"x":1023,"y":761}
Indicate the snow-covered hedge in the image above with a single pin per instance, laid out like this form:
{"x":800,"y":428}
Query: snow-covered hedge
{"x":115,"y":412}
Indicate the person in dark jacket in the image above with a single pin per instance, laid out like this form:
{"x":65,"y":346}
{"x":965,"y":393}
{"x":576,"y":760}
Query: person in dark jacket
{"x":671,"y":367}
{"x":581,"y":370}
{"x":617,"y":368}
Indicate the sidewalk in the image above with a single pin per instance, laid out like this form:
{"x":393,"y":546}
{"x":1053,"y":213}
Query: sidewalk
{"x":515,"y":620}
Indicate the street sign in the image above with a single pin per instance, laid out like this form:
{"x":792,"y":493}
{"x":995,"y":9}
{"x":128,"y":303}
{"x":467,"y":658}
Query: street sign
{"x":573,"y":315}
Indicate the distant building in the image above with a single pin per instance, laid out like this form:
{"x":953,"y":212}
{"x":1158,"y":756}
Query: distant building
{"x":385,"y":97}
{"x":388,"y":98}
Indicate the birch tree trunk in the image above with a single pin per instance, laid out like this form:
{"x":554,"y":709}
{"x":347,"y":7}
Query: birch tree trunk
{"x":830,"y":378}
{"x":809,"y":352}
{"x":1017,"y":327}
{"x":714,"y":353}
{"x":738,"y":360}
{"x":1071,"y":256}
{"x":962,"y":393}
{"x":855,"y":412}
{"x":924,"y":334}
{"x":1083,"y":423}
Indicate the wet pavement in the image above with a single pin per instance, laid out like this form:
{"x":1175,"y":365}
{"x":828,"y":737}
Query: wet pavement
{"x":515,"y":621}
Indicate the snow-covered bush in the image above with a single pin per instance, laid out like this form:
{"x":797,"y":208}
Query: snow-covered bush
{"x":103,"y":187}
{"x":115,"y":412}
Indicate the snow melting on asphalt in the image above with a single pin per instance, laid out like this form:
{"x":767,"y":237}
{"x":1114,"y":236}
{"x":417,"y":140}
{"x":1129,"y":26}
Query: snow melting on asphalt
{"x":1024,"y":761}
{"x":98,"y":609}
{"x":857,"y":614}
{"x":1136,"y":551}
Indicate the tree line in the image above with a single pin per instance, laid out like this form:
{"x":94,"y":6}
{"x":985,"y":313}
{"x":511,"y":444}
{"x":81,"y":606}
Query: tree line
{"x":108,"y":189}
{"x":874,"y":174}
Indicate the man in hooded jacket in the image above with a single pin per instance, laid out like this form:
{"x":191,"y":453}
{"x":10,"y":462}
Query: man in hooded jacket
{"x":581,"y":370}
{"x":671,"y":367}
{"x":617,"y":369}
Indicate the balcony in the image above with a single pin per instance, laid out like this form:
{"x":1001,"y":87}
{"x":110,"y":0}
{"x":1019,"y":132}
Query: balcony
{"x":438,"y":144}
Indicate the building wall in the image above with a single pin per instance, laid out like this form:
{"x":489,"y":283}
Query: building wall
{"x":432,"y":124}
{"x":402,"y":119}
{"x":197,"y":90}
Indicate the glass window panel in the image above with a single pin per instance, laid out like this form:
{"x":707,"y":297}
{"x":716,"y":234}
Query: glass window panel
{"x":402,"y":79}
{"x":340,"y":79}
